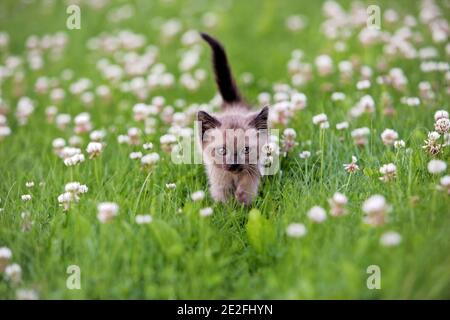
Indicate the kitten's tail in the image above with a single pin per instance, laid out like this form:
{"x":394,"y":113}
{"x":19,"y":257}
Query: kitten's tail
{"x":227,"y":86}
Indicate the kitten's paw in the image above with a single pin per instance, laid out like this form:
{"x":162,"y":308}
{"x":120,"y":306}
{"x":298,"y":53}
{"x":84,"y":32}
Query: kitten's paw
{"x":218,"y":196}
{"x":243,"y":197}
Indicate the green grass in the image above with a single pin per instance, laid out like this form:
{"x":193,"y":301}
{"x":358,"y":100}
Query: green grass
{"x":181,"y":255}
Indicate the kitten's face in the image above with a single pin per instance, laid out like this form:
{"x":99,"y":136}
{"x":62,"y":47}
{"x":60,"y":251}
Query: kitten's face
{"x":233,"y":141}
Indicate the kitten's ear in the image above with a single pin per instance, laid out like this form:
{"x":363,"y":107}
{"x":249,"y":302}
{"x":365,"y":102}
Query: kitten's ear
{"x":207,"y":121}
{"x":260,"y":120}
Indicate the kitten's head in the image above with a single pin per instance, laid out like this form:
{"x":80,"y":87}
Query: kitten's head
{"x":233,"y":141}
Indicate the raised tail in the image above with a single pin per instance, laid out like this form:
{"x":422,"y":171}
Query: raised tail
{"x":225,"y":82}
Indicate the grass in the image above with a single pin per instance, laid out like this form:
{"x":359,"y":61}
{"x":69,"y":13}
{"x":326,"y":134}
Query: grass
{"x":181,"y":255}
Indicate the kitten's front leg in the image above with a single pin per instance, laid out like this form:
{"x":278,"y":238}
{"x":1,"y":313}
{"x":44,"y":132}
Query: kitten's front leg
{"x":220,"y":184}
{"x":247,"y":188}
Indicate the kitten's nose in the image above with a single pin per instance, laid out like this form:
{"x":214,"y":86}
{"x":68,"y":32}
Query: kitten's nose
{"x":234,"y":167}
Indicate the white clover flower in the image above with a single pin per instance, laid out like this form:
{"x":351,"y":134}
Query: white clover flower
{"x":390,"y":239}
{"x":433,"y":135}
{"x":150,"y":159}
{"x":296,"y":230}
{"x":29,"y":184}
{"x":317,"y":214}
{"x":442,"y":125}
{"x":352,"y":166}
{"x":171,"y":185}
{"x":135,"y":155}
{"x":198,"y":195}
{"x":289,"y":133}
{"x":94,"y":149}
{"x":167,"y":141}
{"x":13,"y":273}
{"x":389,"y":136}
{"x":445,"y":184}
{"x":97,"y":135}
{"x":440,"y":114}
{"x":74,"y":160}
{"x":4,"y":131}
{"x":298,"y":100}
{"x":206,"y":212}
{"x":75,"y":141}
{"x":148,"y":146}
{"x":107,"y":211}
{"x":121,"y":139}
{"x":26,"y":197}
{"x":399,"y":144}
{"x":143,"y":219}
{"x":58,"y":143}
{"x":63,"y":120}
{"x":324,"y":64}
{"x":337,"y":204}
{"x":72,"y":187}
{"x":304,"y":154}
{"x":342,"y":125}
{"x":359,"y":136}
{"x":338,"y":96}
{"x":436,"y":166}
{"x":27,"y":294}
{"x":376,"y":208}
{"x":5,"y":257}
{"x":82,"y":123}
{"x":389,"y":172}
{"x":320,"y":118}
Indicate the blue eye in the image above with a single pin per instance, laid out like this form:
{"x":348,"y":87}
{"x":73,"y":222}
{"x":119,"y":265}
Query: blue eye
{"x":221,"y":151}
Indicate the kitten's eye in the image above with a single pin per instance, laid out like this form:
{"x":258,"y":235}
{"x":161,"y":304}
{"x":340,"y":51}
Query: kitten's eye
{"x":221,"y":151}
{"x":246,"y":150}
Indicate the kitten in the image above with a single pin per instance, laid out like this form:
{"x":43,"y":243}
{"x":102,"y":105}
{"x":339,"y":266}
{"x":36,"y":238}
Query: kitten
{"x":231,"y":140}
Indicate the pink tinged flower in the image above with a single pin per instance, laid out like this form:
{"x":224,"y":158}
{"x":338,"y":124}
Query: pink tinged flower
{"x":317,"y":214}
{"x":376,"y":209}
{"x":442,"y":125}
{"x":389,"y":172}
{"x":352,"y":166}
{"x":440,"y":114}
{"x":320,"y":118}
{"x":389,"y":136}
{"x":296,"y":230}
{"x":360,"y":135}
{"x":338,"y":204}
{"x":390,"y":239}
{"x":107,"y":211}
{"x":436,"y":166}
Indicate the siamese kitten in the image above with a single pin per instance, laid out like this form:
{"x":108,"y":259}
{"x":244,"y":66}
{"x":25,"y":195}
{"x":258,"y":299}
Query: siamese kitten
{"x":231,"y":140}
